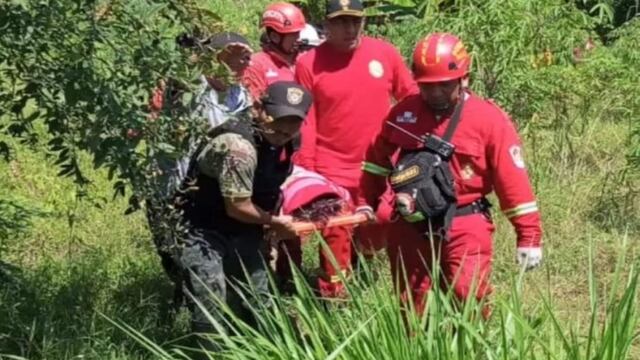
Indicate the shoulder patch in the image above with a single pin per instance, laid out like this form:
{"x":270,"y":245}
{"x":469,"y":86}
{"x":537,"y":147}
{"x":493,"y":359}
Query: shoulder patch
{"x":516,"y":155}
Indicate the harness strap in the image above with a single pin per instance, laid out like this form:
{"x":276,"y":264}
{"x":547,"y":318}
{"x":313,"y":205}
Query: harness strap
{"x":455,"y":120}
{"x":481,"y":205}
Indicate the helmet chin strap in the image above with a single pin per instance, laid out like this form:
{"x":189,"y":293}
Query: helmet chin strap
{"x":278,"y":46}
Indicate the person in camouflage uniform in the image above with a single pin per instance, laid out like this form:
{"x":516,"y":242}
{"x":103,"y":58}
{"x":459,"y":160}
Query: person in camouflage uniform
{"x":216,"y":101}
{"x":232,"y":186}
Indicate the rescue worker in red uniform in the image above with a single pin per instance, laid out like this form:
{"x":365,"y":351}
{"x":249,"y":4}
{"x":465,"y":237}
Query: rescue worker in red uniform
{"x":353,"y":79}
{"x":309,"y":196}
{"x":487,"y":157}
{"x":282,"y":23}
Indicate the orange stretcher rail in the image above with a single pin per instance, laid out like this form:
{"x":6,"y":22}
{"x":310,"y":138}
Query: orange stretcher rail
{"x":303,"y":228}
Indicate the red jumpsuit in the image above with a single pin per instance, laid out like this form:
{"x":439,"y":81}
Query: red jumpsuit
{"x":352,"y":92}
{"x":266,"y":67}
{"x":301,"y":189}
{"x":488,"y":157}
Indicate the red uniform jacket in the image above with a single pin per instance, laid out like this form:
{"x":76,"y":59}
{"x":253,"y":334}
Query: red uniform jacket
{"x":266,"y":68}
{"x":352,"y":93}
{"x":488,"y":157}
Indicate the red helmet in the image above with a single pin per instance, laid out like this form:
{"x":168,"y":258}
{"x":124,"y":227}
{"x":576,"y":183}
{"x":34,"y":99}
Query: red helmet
{"x":440,"y":57}
{"x":283,"y":18}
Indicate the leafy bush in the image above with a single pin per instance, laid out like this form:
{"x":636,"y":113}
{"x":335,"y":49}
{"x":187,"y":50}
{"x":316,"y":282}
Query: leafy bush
{"x":82,"y":89}
{"x":539,"y":60}
{"x":509,"y":42}
{"x":610,"y":13}
{"x":86,"y":69}
{"x":369,"y":326}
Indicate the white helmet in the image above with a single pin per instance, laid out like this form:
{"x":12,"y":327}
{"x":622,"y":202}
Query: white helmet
{"x":309,"y":36}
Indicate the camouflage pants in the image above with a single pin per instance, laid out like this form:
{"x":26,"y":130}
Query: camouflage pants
{"x":220,"y":265}
{"x":164,"y":240}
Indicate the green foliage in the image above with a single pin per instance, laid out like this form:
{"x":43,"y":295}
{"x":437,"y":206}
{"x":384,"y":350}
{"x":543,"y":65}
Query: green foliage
{"x":64,"y":259}
{"x":86,"y":69}
{"x":69,"y":261}
{"x":370,"y":326}
{"x":611,"y":13}
{"x":508,"y":40}
{"x":539,"y":61}
{"x":625,"y":56}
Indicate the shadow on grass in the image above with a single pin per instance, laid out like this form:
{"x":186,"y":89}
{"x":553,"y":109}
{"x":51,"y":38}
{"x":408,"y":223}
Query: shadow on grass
{"x":616,"y":209}
{"x":54,"y":311}
{"x":15,"y":219}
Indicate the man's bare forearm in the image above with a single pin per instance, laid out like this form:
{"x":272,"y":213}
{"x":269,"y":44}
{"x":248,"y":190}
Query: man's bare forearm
{"x":244,"y":210}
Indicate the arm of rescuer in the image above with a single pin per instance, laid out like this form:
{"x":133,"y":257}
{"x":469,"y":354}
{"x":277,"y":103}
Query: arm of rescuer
{"x":403,"y":82}
{"x":511,"y":182}
{"x":306,"y":154}
{"x":375,"y":170}
{"x":232,"y":160}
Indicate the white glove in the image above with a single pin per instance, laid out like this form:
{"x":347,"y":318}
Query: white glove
{"x":368,"y":212}
{"x":529,"y":257}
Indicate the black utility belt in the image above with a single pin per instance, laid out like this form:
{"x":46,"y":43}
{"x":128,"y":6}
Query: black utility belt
{"x":481,"y":205}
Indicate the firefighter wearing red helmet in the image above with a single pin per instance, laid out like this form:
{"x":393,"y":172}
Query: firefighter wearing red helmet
{"x":443,"y":151}
{"x":282,"y":23}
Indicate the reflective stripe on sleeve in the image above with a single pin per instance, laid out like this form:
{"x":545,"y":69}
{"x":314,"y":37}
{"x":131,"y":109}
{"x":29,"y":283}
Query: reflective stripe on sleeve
{"x":375,"y":169}
{"x":521,"y":209}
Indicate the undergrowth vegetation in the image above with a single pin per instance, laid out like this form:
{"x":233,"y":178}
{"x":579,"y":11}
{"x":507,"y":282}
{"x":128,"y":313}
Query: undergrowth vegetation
{"x":79,"y":279}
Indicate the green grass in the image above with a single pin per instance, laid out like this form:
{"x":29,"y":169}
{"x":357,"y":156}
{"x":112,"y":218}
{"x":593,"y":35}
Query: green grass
{"x":70,"y":267}
{"x":79,"y":280}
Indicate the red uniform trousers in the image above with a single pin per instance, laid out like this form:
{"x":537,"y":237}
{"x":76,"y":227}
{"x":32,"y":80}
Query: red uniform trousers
{"x":464,"y":261}
{"x":338,"y":240}
{"x":370,"y":238}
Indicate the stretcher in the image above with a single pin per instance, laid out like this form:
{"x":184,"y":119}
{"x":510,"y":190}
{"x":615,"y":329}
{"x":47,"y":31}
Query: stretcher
{"x":305,"y":228}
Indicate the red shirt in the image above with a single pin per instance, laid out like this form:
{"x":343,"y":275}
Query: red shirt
{"x":488,"y":157}
{"x":266,"y":67}
{"x":352,"y":94}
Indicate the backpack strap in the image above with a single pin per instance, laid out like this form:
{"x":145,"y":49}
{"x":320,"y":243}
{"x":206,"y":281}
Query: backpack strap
{"x":455,"y":120}
{"x":192,"y":169}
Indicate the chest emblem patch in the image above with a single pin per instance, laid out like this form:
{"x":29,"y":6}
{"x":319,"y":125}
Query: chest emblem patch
{"x":466,"y":173}
{"x":376,"y":69}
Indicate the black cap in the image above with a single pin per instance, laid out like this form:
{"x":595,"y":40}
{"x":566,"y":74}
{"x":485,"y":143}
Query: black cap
{"x":344,"y":7}
{"x":215,"y":42}
{"x":286,"y":98}
{"x":221,"y":40}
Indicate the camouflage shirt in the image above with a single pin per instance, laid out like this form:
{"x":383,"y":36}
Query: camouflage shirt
{"x":232,"y":160}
